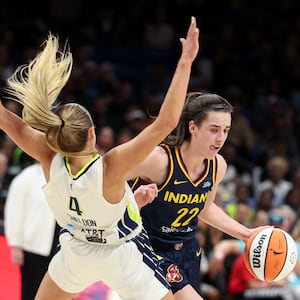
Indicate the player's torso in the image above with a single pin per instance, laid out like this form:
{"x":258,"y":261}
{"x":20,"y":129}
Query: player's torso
{"x":173,"y":215}
{"x":79,"y":206}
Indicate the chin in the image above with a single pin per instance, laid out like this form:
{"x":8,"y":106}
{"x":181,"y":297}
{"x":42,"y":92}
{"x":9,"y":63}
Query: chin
{"x":211,"y":154}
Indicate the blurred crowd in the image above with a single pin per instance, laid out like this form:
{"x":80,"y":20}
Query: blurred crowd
{"x":124,"y":54}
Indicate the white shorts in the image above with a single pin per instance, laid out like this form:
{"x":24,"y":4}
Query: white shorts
{"x":131,"y":269}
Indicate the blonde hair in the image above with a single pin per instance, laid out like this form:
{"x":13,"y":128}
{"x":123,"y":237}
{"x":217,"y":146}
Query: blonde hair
{"x":37,"y":85}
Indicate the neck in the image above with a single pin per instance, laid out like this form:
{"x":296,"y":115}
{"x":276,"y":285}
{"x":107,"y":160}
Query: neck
{"x":193,"y":161}
{"x":76,"y":163}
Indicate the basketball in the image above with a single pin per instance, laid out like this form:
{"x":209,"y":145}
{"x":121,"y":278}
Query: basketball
{"x":270,"y":254}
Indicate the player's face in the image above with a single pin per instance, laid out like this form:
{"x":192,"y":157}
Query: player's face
{"x":211,"y":135}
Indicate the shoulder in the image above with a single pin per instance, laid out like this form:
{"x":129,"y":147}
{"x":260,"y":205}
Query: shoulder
{"x":155,"y":166}
{"x":221,"y":167}
{"x":159,"y":155}
{"x":162,"y":149}
{"x":222,"y":164}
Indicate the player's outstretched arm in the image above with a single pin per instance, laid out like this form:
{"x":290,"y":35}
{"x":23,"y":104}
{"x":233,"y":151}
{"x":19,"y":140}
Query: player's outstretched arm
{"x":32,"y":141}
{"x":125,"y":157}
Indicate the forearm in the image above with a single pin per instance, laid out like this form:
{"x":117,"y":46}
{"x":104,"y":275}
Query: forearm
{"x":23,"y":135}
{"x":14,"y":127}
{"x":216,"y":217}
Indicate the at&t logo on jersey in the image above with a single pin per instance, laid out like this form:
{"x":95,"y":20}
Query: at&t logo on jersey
{"x":94,"y":235}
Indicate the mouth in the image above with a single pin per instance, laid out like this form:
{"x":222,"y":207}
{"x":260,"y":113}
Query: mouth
{"x":214,"y":148}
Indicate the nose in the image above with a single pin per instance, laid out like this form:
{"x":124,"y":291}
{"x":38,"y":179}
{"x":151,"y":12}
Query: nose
{"x":221,"y":137}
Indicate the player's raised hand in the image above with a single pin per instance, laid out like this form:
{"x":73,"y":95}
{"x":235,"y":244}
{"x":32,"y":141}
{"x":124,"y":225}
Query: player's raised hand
{"x":190,"y":44}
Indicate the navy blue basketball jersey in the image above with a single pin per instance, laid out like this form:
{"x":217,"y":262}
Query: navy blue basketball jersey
{"x":173,"y":216}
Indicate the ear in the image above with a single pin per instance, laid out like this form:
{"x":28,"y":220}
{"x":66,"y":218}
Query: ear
{"x":192,"y":126}
{"x":91,"y":132}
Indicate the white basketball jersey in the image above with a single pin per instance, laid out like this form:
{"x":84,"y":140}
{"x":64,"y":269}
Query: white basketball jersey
{"x":79,"y":206}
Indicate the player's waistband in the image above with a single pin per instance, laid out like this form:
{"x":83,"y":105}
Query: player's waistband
{"x":164,"y":246}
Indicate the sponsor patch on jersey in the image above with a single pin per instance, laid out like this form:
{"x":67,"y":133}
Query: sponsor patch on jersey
{"x":206,"y":184}
{"x":71,"y":226}
{"x":173,"y":274}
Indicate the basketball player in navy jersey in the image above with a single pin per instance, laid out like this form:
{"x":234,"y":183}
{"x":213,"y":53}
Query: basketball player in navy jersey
{"x":187,"y":169}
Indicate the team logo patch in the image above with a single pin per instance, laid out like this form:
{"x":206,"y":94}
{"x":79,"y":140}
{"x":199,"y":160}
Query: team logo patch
{"x":173,"y":274}
{"x":206,"y":184}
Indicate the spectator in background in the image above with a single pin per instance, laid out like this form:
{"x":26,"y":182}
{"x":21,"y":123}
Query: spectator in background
{"x":4,"y":182}
{"x":5,"y":68}
{"x":238,"y":170}
{"x":294,"y":278}
{"x":277,"y":168}
{"x":241,"y":134}
{"x":123,"y":136}
{"x":244,"y":214}
{"x":282,"y":141}
{"x":292,"y":199}
{"x":123,"y":99}
{"x":159,"y":32}
{"x":241,"y":280}
{"x":30,"y":228}
{"x":107,"y":86}
{"x":136,"y":120}
{"x":242,"y":196}
{"x":207,"y":289}
{"x":105,"y":139}
{"x":3,"y":170}
{"x":265,"y":200}
{"x":283,"y":217}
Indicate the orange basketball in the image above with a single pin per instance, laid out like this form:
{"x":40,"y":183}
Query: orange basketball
{"x":270,"y":254}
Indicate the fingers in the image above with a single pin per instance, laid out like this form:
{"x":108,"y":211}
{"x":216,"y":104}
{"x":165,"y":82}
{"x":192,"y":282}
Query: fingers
{"x":193,"y":27}
{"x":193,"y":31}
{"x":190,"y":44}
{"x":151,"y":191}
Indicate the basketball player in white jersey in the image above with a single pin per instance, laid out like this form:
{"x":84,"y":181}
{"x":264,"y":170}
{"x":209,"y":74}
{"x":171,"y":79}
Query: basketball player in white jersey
{"x":102,"y":236}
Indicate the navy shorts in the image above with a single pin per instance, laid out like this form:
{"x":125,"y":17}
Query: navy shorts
{"x":181,"y":264}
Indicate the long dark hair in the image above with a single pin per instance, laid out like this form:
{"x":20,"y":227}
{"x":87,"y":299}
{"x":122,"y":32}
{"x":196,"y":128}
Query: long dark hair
{"x":196,"y":107}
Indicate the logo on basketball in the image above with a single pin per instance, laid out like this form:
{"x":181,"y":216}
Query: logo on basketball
{"x":257,"y":252}
{"x":293,"y":258}
{"x":276,"y":252}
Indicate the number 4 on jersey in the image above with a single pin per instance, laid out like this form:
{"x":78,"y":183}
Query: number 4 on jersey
{"x":74,"y":205}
